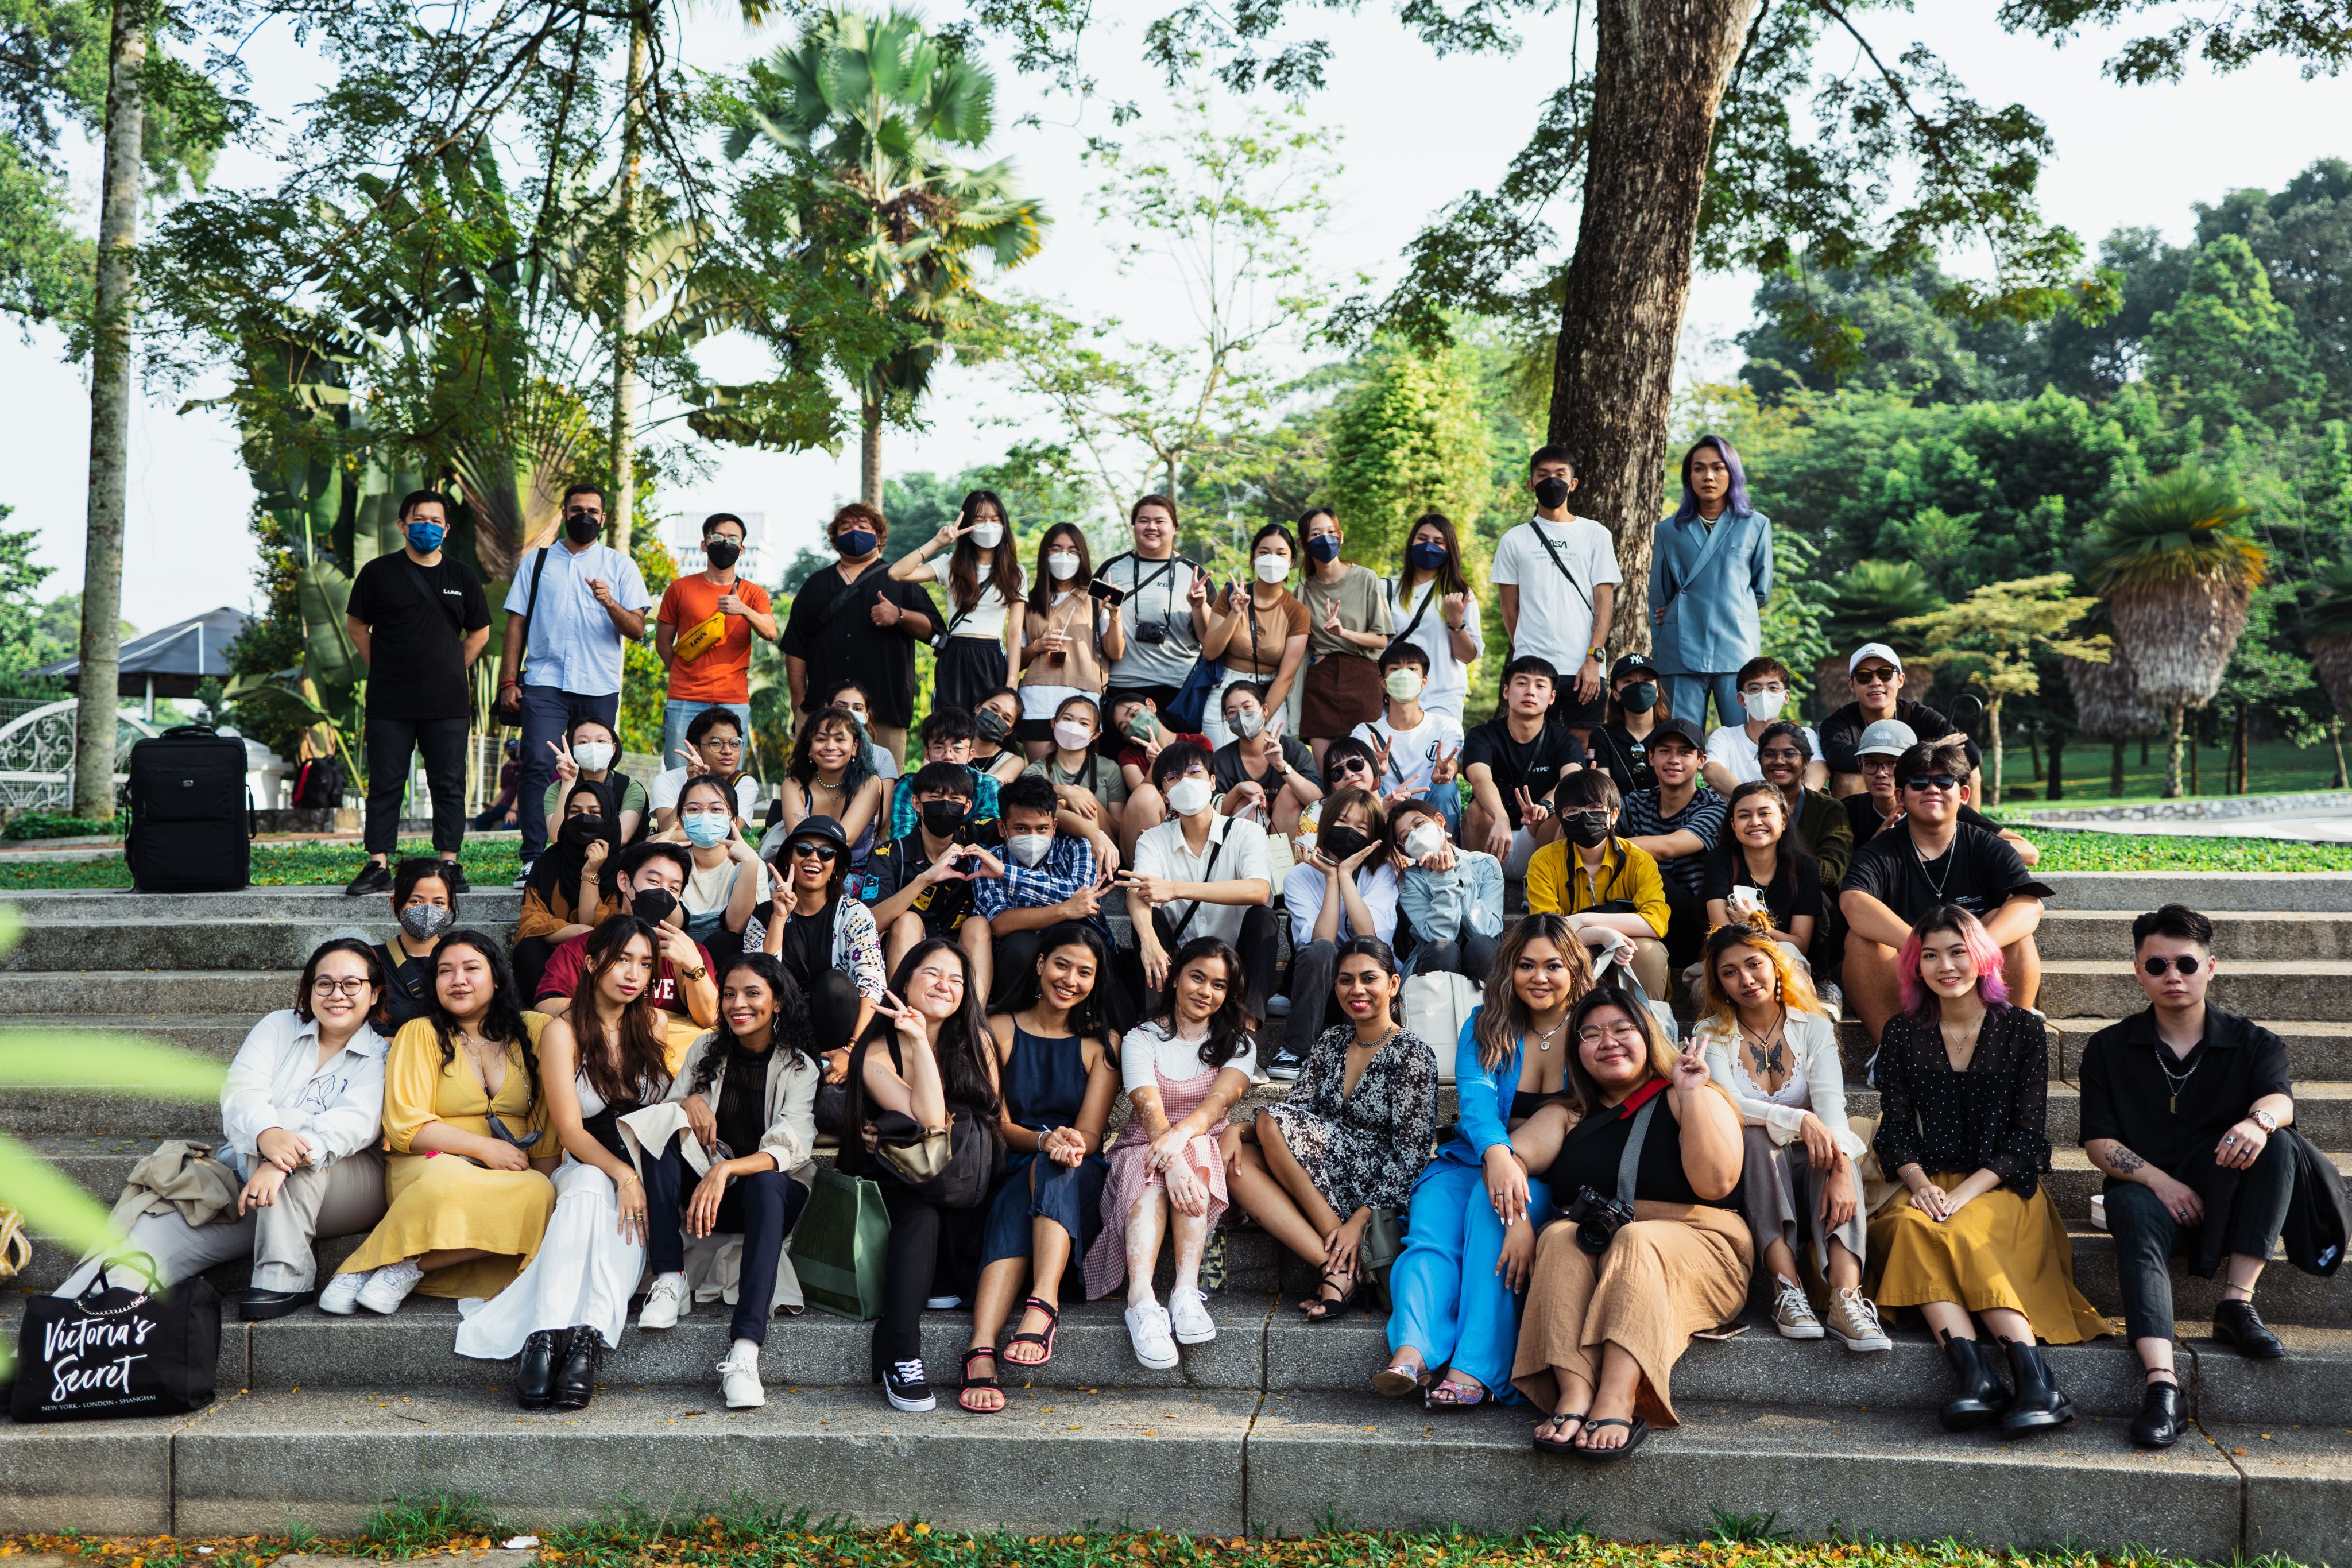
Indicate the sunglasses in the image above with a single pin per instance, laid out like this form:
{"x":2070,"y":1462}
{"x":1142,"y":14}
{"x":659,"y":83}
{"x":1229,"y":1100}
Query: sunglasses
{"x":1876,"y":675}
{"x":811,"y":851}
{"x":1349,"y":764}
{"x":2186,"y":962}
{"x":1932,"y":782}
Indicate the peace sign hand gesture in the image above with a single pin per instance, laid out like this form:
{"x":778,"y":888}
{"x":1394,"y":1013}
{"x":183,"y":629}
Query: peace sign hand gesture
{"x":567,"y":768}
{"x":1197,"y":594}
{"x":950,"y":532}
{"x":695,"y":766}
{"x":1690,"y":1067}
{"x":1442,"y":772}
{"x":1532,"y":812}
{"x":1331,"y":615}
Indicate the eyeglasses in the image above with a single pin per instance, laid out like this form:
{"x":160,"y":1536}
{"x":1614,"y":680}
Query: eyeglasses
{"x":810,"y":849}
{"x":328,"y":986}
{"x":1932,"y":782}
{"x":1877,"y":675}
{"x":1624,"y":1028}
{"x":1780,"y":754}
{"x":2186,"y":962}
{"x":1349,"y":764}
{"x":1587,"y":814}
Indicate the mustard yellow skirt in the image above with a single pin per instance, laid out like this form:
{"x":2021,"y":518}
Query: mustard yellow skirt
{"x":1999,"y":1251}
{"x":443,"y":1202}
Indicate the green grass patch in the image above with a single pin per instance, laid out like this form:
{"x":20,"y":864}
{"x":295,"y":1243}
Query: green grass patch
{"x":2273,"y":768}
{"x":2066,"y":851}
{"x":491,"y":863}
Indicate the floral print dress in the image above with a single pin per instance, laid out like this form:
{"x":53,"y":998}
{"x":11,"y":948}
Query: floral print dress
{"x":1363,"y":1150}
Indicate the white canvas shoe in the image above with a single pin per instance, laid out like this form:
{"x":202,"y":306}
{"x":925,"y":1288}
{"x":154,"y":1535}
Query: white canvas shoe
{"x":668,"y":1302}
{"x":1188,"y":1313}
{"x":389,"y":1286}
{"x":1147,"y":1330}
{"x":739,"y":1380}
{"x":342,"y":1296}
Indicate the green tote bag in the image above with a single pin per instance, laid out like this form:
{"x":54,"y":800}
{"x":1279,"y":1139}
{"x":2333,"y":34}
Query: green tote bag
{"x":838,"y":1247}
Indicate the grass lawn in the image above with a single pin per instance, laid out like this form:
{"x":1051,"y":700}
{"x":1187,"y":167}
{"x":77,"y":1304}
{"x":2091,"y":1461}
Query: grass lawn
{"x":2065,"y":851}
{"x":2276,"y":768}
{"x":489,"y":862}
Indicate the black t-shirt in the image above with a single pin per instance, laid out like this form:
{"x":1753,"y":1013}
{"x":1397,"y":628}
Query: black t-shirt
{"x":1532,"y":765}
{"x":739,"y":1113}
{"x":1626,"y":760}
{"x":2172,"y":1111}
{"x":831,"y":627}
{"x":1230,"y":770}
{"x":1795,"y":888}
{"x":1841,"y":732}
{"x":1980,"y":872}
{"x":891,"y":866}
{"x":417,"y":619}
{"x":1864,"y":818}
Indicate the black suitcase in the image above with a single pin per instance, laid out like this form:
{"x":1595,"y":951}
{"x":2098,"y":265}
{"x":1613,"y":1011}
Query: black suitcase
{"x":190,"y":829}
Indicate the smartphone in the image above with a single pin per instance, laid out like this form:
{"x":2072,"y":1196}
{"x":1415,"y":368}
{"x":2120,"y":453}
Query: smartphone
{"x":1106,"y":592}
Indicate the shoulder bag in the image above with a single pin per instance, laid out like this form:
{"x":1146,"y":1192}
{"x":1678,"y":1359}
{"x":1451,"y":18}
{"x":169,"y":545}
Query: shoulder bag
{"x":510,"y":713}
{"x":116,"y":1350}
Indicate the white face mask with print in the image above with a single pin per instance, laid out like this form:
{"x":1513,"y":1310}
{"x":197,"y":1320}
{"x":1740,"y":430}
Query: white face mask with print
{"x":1190,"y":795}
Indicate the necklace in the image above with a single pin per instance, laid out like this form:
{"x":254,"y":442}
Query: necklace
{"x":1545,"y":1037}
{"x":1776,"y":1060}
{"x":2173,"y":1081}
{"x":1949,"y":859}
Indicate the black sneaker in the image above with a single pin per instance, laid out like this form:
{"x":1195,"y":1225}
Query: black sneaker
{"x":374,"y":877}
{"x":522,"y":877}
{"x":1286,"y":1067}
{"x":453,"y":877}
{"x":907,"y":1388}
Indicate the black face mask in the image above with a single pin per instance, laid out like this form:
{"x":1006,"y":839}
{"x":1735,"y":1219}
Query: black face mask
{"x":1343,"y":840}
{"x":579,"y":832}
{"x":942,"y":818}
{"x":722,"y":552}
{"x":991,"y":724}
{"x":1639,"y":697}
{"x":581,"y":527}
{"x":1586,"y":832}
{"x":653,"y":904}
{"x":1551,"y":494}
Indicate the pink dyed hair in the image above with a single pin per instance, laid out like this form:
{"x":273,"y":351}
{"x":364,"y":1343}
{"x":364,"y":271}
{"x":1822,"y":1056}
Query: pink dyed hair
{"x":1983,"y":952}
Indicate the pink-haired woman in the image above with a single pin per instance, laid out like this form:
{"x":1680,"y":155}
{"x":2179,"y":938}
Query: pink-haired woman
{"x":1962,"y":1083}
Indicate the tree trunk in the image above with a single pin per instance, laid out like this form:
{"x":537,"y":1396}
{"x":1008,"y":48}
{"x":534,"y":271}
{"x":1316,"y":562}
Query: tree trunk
{"x":621,"y":505}
{"x":2336,"y":735}
{"x":1992,"y":751}
{"x":2196,"y":739}
{"x":2115,"y":771}
{"x":1657,"y":85}
{"x":2033,"y":748}
{"x":2143,"y":751}
{"x":2057,"y":786}
{"x":2172,"y":756}
{"x":110,"y":416}
{"x":869,"y":451}
{"x":2245,"y":740}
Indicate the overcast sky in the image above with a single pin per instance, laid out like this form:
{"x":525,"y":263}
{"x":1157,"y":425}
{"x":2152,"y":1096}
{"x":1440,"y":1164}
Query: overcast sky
{"x":1414,"y":132}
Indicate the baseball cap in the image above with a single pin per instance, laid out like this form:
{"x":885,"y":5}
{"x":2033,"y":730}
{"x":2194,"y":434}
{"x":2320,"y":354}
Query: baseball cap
{"x":1886,"y":737}
{"x":1628,"y":662}
{"x":1681,"y":727}
{"x":818,"y":826}
{"x":1877,"y":650}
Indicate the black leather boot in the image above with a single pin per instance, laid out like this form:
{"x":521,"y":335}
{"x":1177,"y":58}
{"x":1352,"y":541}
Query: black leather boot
{"x":1977,"y":1395}
{"x":575,"y":1377}
{"x":2039,"y":1402}
{"x":535,"y":1370}
{"x":2237,"y":1322}
{"x":2160,"y":1421}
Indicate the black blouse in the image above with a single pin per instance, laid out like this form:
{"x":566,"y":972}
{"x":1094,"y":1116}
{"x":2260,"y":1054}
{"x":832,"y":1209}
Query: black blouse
{"x":1991,"y":1117}
{"x":1589,"y":1157}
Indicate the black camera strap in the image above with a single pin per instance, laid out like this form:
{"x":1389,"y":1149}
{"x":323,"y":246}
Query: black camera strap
{"x":1630,"y":1161}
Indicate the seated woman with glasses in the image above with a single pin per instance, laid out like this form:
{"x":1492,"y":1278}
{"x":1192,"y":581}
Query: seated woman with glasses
{"x":1963,"y":1080}
{"x":1626,"y":1277}
{"x":827,"y":943}
{"x":1348,"y":764}
{"x":1475,"y":1210}
{"x":464,"y":1122}
{"x":301,"y":1113}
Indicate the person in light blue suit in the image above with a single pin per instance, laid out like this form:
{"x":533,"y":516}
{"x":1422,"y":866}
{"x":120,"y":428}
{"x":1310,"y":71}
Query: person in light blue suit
{"x":1710,"y":575}
{"x":1470,"y":1238}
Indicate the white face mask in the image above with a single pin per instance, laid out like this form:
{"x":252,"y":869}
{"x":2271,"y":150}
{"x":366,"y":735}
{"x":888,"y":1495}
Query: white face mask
{"x":1763,"y":704}
{"x":988,"y":536}
{"x":1029,"y":849}
{"x":1190,"y":795}
{"x":1425,"y":842}
{"x":593,"y":756}
{"x":1273,"y":568}
{"x":1062,"y":563}
{"x":1402,"y":684}
{"x":1072,"y":736}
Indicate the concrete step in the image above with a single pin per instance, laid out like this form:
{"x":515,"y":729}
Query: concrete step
{"x":83,"y":906}
{"x":257,"y":942}
{"x":217,"y":1035}
{"x":2106,"y":934}
{"x":2135,"y":892}
{"x":167,"y":994}
{"x":2300,"y":989}
{"x":2319,"y":1051}
{"x":2285,"y":1295}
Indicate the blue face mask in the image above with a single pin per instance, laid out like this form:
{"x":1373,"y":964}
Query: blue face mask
{"x":856,"y":544}
{"x":1428,"y":555}
{"x":1323,"y":547}
{"x":704,"y":828}
{"x":425,"y":537}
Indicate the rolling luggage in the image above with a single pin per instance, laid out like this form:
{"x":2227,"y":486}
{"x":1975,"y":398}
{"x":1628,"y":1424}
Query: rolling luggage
{"x":190,"y":829}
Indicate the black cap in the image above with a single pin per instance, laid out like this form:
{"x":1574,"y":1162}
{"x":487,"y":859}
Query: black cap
{"x":1628,"y":662}
{"x":1678,"y":726}
{"x":817,"y":827}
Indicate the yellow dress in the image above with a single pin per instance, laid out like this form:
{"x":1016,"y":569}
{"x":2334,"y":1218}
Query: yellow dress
{"x":445,"y":1201}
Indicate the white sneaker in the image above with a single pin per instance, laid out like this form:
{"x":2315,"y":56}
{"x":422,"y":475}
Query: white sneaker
{"x":668,"y":1302}
{"x":1792,"y":1314}
{"x":739,"y":1381}
{"x":1853,"y":1318}
{"x":342,"y":1296}
{"x":941,"y":1303}
{"x":389,"y":1286}
{"x":1188,"y":1311}
{"x":1148,"y":1330}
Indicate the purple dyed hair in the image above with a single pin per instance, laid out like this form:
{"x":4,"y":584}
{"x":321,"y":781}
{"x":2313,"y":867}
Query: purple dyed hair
{"x":1737,"y":502}
{"x":1983,"y":952}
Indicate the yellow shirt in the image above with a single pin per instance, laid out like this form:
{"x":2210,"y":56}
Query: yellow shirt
{"x":419,"y":1088}
{"x":1626,"y":872}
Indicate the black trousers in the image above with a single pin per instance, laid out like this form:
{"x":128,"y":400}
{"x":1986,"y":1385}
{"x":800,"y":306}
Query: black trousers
{"x":1472,"y":956}
{"x":442,"y":743}
{"x":1256,"y":945}
{"x":762,"y":1208}
{"x":932,"y":1250}
{"x":1016,"y":959}
{"x":1686,"y":928}
{"x":530,"y":960}
{"x":2244,"y":1211}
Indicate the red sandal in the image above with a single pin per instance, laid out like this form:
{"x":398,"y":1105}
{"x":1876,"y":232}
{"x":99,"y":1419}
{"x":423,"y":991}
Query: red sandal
{"x":971,"y":1383}
{"x":1053,"y":1327}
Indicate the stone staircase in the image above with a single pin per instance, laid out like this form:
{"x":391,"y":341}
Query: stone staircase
{"x":1270,"y":1427}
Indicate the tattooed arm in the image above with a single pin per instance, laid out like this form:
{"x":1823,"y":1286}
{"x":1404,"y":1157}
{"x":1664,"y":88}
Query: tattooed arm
{"x":2180,"y":1200}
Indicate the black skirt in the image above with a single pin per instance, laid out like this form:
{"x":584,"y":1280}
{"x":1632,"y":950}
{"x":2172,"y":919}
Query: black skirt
{"x":969,"y":669}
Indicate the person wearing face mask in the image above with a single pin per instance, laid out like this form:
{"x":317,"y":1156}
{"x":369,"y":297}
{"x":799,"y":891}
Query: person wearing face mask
{"x":853,"y":622}
{"x":921,"y":882}
{"x":1513,"y":761}
{"x":715,"y":747}
{"x":1045,"y":878}
{"x":728,"y":877}
{"x":1731,"y":761}
{"x":1434,"y":610}
{"x":978,"y":651}
{"x":1269,"y":776}
{"x":703,"y":632}
{"x":418,"y":619}
{"x":648,"y":884}
{"x":1069,"y":637}
{"x":1200,"y":873}
{"x":588,"y":751}
{"x":1609,"y":888}
{"x":948,"y":736}
{"x":1710,"y":575}
{"x":1146,"y":734}
{"x":573,"y":606}
{"x":1344,"y":886}
{"x":1556,"y":581}
{"x":1637,"y":702}
{"x":1450,"y":900}
{"x":1348,"y":625}
{"x":1092,"y":788}
{"x":1419,"y":750}
{"x":424,"y":905}
{"x":995,"y":752}
{"x":569,"y":888}
{"x":1258,"y":632}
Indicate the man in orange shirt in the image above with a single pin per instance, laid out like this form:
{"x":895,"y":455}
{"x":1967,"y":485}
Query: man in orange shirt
{"x":703,"y":632}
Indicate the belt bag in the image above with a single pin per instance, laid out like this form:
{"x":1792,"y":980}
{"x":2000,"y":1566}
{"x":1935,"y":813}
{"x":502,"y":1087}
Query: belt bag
{"x":953,"y":1166}
{"x":700,"y":638}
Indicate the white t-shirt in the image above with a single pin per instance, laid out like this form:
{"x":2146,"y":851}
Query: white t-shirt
{"x":987,"y":618}
{"x":1149,"y":1045}
{"x":1555,"y":618}
{"x":1731,"y":745}
{"x":1449,"y":679}
{"x":666,"y":787}
{"x":1414,"y":753}
{"x":1162,"y":852}
{"x":1303,"y":891}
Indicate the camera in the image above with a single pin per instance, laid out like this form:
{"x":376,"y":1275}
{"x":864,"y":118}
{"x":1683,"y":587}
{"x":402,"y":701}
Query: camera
{"x":1597,"y":1219}
{"x":1151,"y":633}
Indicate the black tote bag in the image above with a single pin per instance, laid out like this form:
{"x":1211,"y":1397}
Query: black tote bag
{"x":118,"y":1349}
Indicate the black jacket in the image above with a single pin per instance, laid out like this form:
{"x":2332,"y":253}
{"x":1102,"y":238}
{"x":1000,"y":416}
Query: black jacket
{"x":2317,"y":1212}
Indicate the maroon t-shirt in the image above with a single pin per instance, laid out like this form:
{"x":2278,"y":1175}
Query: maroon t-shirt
{"x":562,"y":976}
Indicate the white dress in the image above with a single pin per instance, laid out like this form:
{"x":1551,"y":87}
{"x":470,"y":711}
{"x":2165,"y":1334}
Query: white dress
{"x":583,"y":1273}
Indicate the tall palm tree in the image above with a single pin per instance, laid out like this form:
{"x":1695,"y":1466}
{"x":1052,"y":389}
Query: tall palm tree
{"x":870,"y":108}
{"x":2173,"y":562}
{"x":2108,"y":704}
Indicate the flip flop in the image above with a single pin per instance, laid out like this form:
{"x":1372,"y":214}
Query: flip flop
{"x":1636,"y":1430}
{"x":1395,"y":1381}
{"x":971,"y":1383}
{"x":1451,"y":1396}
{"x":1559,"y":1445}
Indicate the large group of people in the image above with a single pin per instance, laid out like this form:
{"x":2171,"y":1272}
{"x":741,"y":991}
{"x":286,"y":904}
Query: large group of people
{"x":1023,"y":985}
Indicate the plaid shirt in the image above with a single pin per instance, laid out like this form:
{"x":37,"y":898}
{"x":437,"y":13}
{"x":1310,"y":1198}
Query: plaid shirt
{"x":905,"y":818}
{"x":1068,"y":867}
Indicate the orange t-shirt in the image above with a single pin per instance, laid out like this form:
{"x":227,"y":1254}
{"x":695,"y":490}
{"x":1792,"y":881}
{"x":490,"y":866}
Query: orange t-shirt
{"x":723,"y":674}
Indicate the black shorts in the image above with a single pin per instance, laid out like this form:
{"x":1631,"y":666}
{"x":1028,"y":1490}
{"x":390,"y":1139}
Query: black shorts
{"x":1573,"y":714}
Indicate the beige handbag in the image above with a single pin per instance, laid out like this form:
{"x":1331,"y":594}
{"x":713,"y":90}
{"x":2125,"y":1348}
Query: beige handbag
{"x":16,"y":1247}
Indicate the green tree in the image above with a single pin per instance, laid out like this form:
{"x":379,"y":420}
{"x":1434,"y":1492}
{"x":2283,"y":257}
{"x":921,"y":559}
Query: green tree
{"x":1994,"y":640}
{"x":2229,"y":348}
{"x":1889,"y":337}
{"x":2302,"y":232}
{"x":28,"y":633}
{"x":1407,"y":440}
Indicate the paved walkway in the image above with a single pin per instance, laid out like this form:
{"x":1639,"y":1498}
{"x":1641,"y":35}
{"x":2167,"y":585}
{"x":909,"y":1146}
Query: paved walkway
{"x":2306,"y":827}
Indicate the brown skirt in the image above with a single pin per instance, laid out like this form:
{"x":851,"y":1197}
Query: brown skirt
{"x":1342,"y":691}
{"x":1676,"y":1271}
{"x":2001,"y":1251}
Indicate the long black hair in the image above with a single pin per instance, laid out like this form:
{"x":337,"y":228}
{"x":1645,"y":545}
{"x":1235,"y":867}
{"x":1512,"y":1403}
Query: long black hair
{"x":963,"y":1042}
{"x":791,"y":1030}
{"x":1028,"y":992}
{"x":634,"y":1062}
{"x":502,"y":1021}
{"x":964,"y":582}
{"x":1227,"y":1036}
{"x":365,"y":953}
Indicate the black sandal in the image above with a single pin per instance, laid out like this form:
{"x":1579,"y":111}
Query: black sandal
{"x":1559,"y":1445}
{"x":1327,"y":1308}
{"x":1635,"y":1431}
{"x":970,"y":1383}
{"x":1053,"y":1327}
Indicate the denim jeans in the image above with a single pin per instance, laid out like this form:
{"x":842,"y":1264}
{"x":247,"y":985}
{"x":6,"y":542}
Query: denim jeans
{"x":442,"y":743}
{"x":680,"y":712}
{"x":2244,"y":1209}
{"x":547,"y":714}
{"x":1688,"y":695}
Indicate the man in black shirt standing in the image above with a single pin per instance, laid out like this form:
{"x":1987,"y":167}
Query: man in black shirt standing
{"x":1876,"y":677}
{"x":418,"y":621}
{"x":851,"y":623}
{"x":2181,"y":1104}
{"x":1932,"y":858}
{"x":1512,"y":761}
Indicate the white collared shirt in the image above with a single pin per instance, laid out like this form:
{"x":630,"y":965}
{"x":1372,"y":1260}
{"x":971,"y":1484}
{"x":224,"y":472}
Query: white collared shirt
{"x":276,"y":1082}
{"x":1162,"y":852}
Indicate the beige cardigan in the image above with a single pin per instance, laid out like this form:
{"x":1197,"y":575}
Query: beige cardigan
{"x":1814,"y":1039}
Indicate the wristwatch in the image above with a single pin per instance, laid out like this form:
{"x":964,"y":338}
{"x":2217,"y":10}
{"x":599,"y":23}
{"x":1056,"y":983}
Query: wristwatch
{"x":692,"y":971}
{"x":1596,"y":654}
{"x":2264,"y":1120}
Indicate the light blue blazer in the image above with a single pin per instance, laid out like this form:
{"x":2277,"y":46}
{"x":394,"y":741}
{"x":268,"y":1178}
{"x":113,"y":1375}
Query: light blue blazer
{"x":1715,"y":583}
